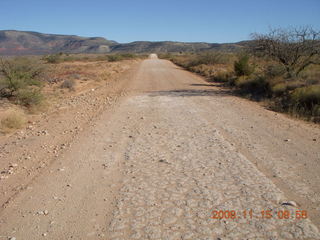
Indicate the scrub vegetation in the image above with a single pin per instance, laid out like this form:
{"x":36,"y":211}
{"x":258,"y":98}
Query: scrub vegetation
{"x":281,"y":68}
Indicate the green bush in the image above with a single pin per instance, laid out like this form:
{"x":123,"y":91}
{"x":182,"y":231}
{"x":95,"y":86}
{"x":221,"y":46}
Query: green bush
{"x":168,"y":56}
{"x":306,"y":100}
{"x":208,"y":58}
{"x":256,"y":86}
{"x":29,"y":97}
{"x":279,"y":89}
{"x":17,"y":74}
{"x":20,"y":80}
{"x":242,"y":66}
{"x":114,"y":58}
{"x":54,"y":58}
{"x":222,"y":76}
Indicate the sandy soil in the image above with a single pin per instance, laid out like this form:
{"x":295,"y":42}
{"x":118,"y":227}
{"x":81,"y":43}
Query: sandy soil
{"x":155,"y":154}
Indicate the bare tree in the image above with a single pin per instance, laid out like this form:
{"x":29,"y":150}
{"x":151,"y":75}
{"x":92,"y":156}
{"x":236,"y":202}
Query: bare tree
{"x":294,"y":48}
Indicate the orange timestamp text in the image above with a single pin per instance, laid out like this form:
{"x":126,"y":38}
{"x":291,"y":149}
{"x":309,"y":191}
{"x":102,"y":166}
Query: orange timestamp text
{"x":263,"y":214}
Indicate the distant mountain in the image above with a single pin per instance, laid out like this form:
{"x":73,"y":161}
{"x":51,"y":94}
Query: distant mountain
{"x":21,"y":43}
{"x":33,"y":43}
{"x":166,"y":46}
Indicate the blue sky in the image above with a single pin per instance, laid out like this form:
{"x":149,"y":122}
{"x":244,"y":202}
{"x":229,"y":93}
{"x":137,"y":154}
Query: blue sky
{"x":155,"y":20}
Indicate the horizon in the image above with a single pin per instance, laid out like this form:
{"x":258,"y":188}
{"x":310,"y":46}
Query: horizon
{"x":204,"y":21}
{"x":46,"y":33}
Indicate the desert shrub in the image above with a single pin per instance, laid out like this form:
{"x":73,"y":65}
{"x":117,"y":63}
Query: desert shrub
{"x":128,"y":55}
{"x":294,"y":83}
{"x":69,"y":84}
{"x":54,"y":58}
{"x":114,"y":58}
{"x":279,"y":89}
{"x":242,"y":66}
{"x":168,"y":56}
{"x":208,"y":58}
{"x":19,"y":73}
{"x":306,"y":100}
{"x":101,"y":58}
{"x":222,"y":76}
{"x":296,"y":48}
{"x":29,"y":97}
{"x":257,"y":86}
{"x":232,"y":80}
{"x":120,"y":57}
{"x":13,"y":120}
{"x":274,"y":70}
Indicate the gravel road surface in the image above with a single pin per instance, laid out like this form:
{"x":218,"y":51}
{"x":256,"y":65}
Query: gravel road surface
{"x":176,"y":158}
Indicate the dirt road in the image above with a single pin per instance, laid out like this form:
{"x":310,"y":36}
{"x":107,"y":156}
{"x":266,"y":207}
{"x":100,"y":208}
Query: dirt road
{"x":170,"y":151}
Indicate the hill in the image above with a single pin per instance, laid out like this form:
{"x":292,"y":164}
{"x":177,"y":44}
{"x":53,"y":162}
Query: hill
{"x":21,"y":43}
{"x":33,"y":43}
{"x":167,"y":46}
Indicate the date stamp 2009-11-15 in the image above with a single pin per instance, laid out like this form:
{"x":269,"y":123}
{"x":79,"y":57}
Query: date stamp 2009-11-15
{"x":263,"y":214}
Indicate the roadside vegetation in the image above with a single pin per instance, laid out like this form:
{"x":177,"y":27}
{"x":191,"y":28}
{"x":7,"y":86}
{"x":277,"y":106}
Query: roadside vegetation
{"x":281,"y":68}
{"x":65,"y":57}
{"x":29,"y":85}
{"x":21,"y":81}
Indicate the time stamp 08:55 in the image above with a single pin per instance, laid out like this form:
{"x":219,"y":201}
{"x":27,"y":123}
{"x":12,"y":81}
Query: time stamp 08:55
{"x":263,"y":214}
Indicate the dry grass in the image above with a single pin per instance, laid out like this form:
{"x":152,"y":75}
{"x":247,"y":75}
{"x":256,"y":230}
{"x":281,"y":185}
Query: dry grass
{"x":79,"y":76}
{"x":259,"y":79}
{"x":11,"y":120}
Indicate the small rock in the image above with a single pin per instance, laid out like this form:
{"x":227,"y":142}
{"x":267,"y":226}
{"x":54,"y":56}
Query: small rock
{"x":46,"y":212}
{"x":289,"y":203}
{"x":314,"y":139}
{"x":44,"y":234}
{"x":45,"y":132}
{"x":12,"y":238}
{"x":163,"y":161}
{"x":287,"y":140}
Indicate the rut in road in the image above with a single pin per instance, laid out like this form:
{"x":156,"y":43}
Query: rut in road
{"x":159,"y":163}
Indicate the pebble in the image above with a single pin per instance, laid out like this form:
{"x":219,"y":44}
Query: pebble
{"x":289,"y":203}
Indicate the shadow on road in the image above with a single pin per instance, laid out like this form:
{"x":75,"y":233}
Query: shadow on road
{"x":192,"y":93}
{"x":206,"y":85}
